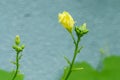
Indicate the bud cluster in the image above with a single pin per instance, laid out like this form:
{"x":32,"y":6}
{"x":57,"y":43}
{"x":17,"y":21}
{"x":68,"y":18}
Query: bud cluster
{"x":81,"y":30}
{"x":17,"y":46}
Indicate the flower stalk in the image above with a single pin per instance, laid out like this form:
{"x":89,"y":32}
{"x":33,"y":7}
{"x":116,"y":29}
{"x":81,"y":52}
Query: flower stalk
{"x":68,"y":22}
{"x":74,"y":57}
{"x":17,"y":66}
{"x":18,"y":48}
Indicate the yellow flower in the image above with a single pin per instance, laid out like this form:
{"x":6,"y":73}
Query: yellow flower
{"x":66,"y":20}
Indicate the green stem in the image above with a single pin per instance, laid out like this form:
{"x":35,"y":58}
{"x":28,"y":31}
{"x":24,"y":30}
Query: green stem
{"x":73,"y":38}
{"x":17,"y":66}
{"x":73,"y":60}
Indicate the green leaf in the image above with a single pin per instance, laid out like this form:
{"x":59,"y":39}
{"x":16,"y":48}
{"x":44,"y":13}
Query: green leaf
{"x":4,"y":75}
{"x":20,"y":56}
{"x":109,"y":71}
{"x":13,"y":62}
{"x":80,"y":49}
{"x":77,"y":69}
{"x":67,"y":60}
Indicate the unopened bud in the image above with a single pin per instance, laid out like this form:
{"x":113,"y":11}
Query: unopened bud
{"x":23,"y":46}
{"x":80,"y":31}
{"x":17,"y":39}
{"x":14,"y":46}
{"x":19,"y":49}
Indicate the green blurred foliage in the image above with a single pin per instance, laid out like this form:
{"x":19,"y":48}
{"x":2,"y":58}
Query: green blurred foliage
{"x":4,"y":75}
{"x":109,"y":71}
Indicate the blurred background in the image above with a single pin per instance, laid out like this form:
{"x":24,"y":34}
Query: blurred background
{"x":36,"y":21}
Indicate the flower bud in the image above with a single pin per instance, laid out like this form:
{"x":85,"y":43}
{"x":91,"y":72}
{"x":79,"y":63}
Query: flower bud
{"x":83,"y":28}
{"x":23,"y":46}
{"x":80,"y":31}
{"x":17,"y":39}
{"x":19,"y":49}
{"x":14,"y":46}
{"x":66,"y":20}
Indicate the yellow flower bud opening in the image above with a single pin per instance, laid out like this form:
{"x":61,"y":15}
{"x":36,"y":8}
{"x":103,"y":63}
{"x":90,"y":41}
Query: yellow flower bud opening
{"x":17,"y":39}
{"x":66,"y":20}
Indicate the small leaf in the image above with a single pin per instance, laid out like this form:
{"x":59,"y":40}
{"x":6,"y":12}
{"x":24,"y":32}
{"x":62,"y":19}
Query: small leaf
{"x":13,"y":62}
{"x":67,"y":60}
{"x":65,"y":72}
{"x":77,"y":69}
{"x":80,"y":49}
{"x":20,"y":56}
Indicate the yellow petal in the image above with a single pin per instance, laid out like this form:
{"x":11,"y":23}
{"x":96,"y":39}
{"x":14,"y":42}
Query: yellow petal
{"x":66,"y":20}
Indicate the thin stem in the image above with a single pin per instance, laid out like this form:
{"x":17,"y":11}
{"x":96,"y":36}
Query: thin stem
{"x":73,"y":60}
{"x":17,"y":66}
{"x":73,"y":38}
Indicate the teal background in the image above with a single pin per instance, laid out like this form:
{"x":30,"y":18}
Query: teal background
{"x":47,"y":42}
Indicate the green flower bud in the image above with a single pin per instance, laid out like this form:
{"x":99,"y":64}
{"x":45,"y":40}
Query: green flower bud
{"x":80,"y":31}
{"x":23,"y":46}
{"x":17,"y":39}
{"x":19,"y":49}
{"x":83,"y":28}
{"x":14,"y":46}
